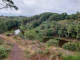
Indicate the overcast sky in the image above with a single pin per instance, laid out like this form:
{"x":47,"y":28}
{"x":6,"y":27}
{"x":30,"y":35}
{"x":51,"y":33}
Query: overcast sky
{"x":34,"y":7}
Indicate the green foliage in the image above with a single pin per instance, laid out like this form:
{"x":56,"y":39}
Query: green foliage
{"x":72,"y":46}
{"x":7,"y":34}
{"x":21,"y":35}
{"x":53,"y":24}
{"x":5,"y":25}
{"x":9,"y":4}
{"x":52,"y":42}
{"x":50,"y":24}
{"x":15,"y":37}
{"x":31,"y":34}
{"x":4,"y":52}
{"x":40,"y":52}
{"x":12,"y":31}
{"x":59,"y":32}
{"x":71,"y":57}
{"x":39,"y":36}
{"x":27,"y":52}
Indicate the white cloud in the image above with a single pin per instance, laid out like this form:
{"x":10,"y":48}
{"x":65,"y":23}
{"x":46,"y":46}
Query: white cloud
{"x":32,"y":7}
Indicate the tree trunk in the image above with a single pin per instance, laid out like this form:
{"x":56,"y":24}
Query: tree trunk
{"x":59,"y":36}
{"x":76,"y":37}
{"x":68,"y":35}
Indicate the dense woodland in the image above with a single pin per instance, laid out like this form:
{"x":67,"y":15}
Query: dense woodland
{"x":38,"y":27}
{"x":51,"y":24}
{"x":7,"y":23}
{"x":45,"y":24}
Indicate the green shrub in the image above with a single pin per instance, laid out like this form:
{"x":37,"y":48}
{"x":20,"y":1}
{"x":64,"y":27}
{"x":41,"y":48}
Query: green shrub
{"x":52,"y":42}
{"x":4,"y":52}
{"x":12,"y":31}
{"x":21,"y":35}
{"x":7,"y":34}
{"x":39,"y":36}
{"x":31,"y":34}
{"x":72,"y":46}
{"x":15,"y":37}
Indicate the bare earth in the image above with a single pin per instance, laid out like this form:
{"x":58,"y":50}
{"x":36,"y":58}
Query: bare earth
{"x":17,"y":53}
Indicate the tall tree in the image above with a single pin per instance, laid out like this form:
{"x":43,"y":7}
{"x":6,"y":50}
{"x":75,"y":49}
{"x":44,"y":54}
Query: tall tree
{"x":60,"y":33}
{"x":77,"y":29}
{"x":69,"y":29}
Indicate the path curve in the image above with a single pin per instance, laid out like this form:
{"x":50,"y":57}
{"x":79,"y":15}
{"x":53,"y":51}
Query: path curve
{"x":16,"y":52}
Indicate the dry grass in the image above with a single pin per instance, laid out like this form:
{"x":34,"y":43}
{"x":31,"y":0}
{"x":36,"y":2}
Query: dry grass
{"x":37,"y":50}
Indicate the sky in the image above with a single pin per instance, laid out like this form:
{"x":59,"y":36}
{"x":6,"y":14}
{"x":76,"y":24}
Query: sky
{"x":36,"y":7}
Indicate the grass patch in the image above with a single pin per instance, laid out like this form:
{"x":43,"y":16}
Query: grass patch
{"x":5,"y":49}
{"x":71,"y":57}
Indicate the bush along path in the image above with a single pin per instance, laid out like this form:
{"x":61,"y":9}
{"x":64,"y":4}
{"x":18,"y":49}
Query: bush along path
{"x":16,"y":52}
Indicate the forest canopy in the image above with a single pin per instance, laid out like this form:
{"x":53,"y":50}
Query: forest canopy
{"x":45,"y":24}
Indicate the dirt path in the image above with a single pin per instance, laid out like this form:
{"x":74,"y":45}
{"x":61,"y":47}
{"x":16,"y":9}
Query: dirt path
{"x":16,"y":52}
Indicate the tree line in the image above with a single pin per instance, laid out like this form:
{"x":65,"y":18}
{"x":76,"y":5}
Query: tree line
{"x":52,"y":24}
{"x":8,"y":22}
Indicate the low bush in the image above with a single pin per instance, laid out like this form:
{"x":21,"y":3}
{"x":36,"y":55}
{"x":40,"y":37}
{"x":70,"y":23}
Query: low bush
{"x":4,"y":52}
{"x":21,"y":35}
{"x":72,"y":46}
{"x":12,"y":31}
{"x":7,"y":34}
{"x":52,"y":42}
{"x":31,"y":34}
{"x":15,"y":37}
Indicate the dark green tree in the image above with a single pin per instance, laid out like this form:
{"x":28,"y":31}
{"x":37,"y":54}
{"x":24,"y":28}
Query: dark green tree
{"x":8,"y":4}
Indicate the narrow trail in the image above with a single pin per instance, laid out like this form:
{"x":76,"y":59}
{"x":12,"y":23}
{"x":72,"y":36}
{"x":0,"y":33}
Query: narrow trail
{"x":16,"y":52}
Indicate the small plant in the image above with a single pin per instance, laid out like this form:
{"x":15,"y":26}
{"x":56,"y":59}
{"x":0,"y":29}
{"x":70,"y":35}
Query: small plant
{"x":12,"y":31}
{"x":15,"y":37}
{"x":7,"y":34}
{"x":47,"y":51}
{"x":27,"y":52}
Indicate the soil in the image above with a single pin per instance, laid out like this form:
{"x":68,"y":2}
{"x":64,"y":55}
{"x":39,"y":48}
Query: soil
{"x":17,"y":53}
